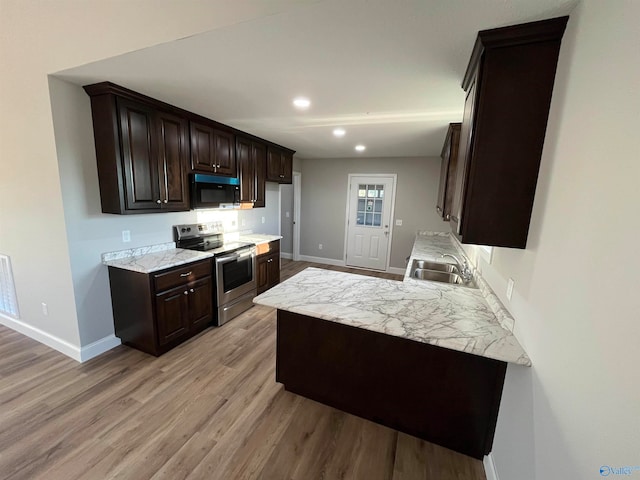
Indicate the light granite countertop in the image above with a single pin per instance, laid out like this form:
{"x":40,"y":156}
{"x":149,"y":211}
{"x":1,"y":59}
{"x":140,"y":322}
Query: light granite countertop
{"x":448,"y":316}
{"x":258,"y":238}
{"x":153,"y":258}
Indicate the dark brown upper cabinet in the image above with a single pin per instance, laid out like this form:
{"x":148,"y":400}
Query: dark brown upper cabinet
{"x":142,"y":153}
{"x":251,"y":157}
{"x":448,"y":171}
{"x":279,"y":165}
{"x":508,"y":85}
{"x":212,"y":150}
{"x":146,"y":148}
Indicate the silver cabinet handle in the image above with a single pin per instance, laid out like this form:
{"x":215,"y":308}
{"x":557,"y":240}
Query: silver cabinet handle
{"x":186,"y":293}
{"x":185,"y":274}
{"x":166,"y":201}
{"x":191,"y":290}
{"x":158,"y":201}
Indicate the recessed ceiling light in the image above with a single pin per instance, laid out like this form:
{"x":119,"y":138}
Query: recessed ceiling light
{"x":360,"y":148}
{"x":301,"y":102}
{"x":339,"y":132}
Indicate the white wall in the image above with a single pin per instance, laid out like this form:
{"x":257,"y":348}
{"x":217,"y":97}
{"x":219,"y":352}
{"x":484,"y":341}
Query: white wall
{"x":324,"y":200}
{"x":39,"y":38}
{"x":576,"y":300}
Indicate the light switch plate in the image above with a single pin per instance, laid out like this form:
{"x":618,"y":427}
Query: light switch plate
{"x":510,"y":284}
{"x":398,"y":223}
{"x":126,"y":236}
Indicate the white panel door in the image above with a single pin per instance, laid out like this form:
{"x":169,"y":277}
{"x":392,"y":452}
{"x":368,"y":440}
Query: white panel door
{"x":368,"y":222}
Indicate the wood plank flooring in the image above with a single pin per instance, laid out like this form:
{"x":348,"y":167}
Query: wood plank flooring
{"x":209,"y":409}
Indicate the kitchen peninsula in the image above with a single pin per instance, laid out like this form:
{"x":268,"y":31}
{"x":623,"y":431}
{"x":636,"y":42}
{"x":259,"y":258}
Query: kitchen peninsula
{"x":422,"y":357}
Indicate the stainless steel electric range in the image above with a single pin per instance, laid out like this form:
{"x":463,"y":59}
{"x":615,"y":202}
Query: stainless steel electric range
{"x":234,"y":266}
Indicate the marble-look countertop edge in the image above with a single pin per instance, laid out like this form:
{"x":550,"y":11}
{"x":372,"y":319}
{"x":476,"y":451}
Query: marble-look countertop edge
{"x":156,"y":261}
{"x":259,"y":238}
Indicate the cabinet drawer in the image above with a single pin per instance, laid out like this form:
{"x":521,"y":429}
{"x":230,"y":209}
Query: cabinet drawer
{"x":180,"y":275}
{"x":270,"y":247}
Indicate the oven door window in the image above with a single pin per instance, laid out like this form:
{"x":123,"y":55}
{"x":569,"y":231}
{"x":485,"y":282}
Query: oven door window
{"x":237,"y":273}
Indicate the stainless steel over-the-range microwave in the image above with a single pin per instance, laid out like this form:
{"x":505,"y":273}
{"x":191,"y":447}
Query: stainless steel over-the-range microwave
{"x":212,"y":191}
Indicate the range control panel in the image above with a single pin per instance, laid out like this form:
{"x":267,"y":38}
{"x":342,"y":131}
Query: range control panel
{"x":194,"y":230}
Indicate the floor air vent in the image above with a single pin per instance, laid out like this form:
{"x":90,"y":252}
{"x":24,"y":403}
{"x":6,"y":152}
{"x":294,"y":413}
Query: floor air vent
{"x":8,"y":300}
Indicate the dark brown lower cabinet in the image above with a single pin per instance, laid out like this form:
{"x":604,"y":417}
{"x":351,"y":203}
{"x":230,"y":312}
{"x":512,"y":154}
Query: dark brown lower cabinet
{"x":155,"y":312}
{"x":443,"y":396}
{"x":268,"y":266}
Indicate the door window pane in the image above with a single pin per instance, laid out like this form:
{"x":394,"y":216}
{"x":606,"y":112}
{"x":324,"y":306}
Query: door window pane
{"x":370,"y":205}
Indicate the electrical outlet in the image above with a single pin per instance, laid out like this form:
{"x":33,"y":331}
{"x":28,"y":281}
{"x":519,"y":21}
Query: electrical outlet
{"x":264,"y":220}
{"x":286,"y":214}
{"x":398,"y":223}
{"x":126,"y":236}
{"x":45,"y":309}
{"x":510,"y":284}
{"x":319,"y":246}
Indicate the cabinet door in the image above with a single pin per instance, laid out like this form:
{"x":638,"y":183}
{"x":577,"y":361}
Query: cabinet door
{"x":274,"y":169}
{"x":259,"y":154}
{"x":172,"y":314}
{"x":464,"y":152}
{"x":262,"y":273}
{"x":139,"y":156}
{"x":225,"y":153}
{"x":203,"y":158}
{"x":246,"y":169}
{"x":287,"y":167}
{"x":273,"y":270}
{"x":173,"y":156}
{"x":200,"y":298}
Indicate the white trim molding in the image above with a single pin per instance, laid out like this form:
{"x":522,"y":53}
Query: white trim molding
{"x":326,"y":261}
{"x":98,"y":347}
{"x":396,"y":270}
{"x":79,"y":354}
{"x":288,"y":256}
{"x":490,"y":468}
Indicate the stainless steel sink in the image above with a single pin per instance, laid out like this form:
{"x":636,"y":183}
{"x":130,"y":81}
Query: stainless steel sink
{"x":438,"y":272}
{"x":437,"y":266}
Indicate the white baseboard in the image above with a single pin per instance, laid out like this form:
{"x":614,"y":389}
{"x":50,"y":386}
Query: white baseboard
{"x":288,"y":256}
{"x":80,"y":354}
{"x":99,"y":347}
{"x":340,"y":263}
{"x":399,"y":271}
{"x":326,"y":261}
{"x":490,"y":468}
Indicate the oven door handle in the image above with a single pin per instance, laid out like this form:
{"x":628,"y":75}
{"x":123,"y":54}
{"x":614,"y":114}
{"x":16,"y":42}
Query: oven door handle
{"x":226,"y":259}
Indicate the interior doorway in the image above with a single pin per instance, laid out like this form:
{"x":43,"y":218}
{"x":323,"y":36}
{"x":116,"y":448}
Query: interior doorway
{"x":370,"y":205}
{"x":290,"y":218}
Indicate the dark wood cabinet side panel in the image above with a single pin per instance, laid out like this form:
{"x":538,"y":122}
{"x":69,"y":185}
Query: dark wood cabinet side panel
{"x":108,"y":155}
{"x":133,"y":312}
{"x":511,"y":119}
{"x":446,"y":397}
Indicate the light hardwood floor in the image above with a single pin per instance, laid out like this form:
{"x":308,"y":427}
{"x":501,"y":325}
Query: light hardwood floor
{"x":209,"y":409}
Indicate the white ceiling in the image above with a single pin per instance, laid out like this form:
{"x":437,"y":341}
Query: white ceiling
{"x":388,"y":71}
